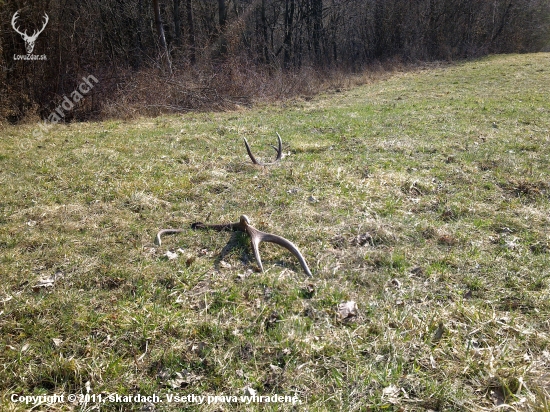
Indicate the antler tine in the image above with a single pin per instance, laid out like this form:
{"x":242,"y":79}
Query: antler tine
{"x":13,"y":20}
{"x":37,"y":32}
{"x":47,"y":19}
{"x":250,"y":152}
{"x":279,"y":151}
{"x":257,"y":237}
{"x":161,"y":232}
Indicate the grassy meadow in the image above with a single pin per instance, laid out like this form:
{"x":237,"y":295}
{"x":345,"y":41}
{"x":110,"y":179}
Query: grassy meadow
{"x":422,"y":197}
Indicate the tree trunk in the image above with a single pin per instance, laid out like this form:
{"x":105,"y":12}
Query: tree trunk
{"x":317,"y":11}
{"x":289,"y":23}
{"x":177,"y":22}
{"x":165,"y":56}
{"x":222,"y":11}
{"x":264,"y":34}
{"x":191,"y":32}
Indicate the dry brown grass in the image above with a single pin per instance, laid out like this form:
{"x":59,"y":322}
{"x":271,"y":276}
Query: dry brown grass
{"x":227,"y":86}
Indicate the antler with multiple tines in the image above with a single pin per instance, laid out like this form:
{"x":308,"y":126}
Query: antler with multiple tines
{"x":256,"y":237}
{"x":279,"y":151}
{"x":29,"y":40}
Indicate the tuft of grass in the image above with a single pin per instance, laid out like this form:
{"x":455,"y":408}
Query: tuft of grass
{"x":422,"y":197}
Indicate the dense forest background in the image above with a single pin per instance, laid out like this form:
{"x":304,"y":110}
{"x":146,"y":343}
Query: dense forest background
{"x":154,"y":56}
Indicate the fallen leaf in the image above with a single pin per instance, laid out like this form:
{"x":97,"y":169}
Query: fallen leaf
{"x":347,"y":310}
{"x":432,"y":362}
{"x":248,"y":391}
{"x":163,"y":375}
{"x":225,"y":265}
{"x":364,"y":239}
{"x":438,"y":332}
{"x":47,"y":282}
{"x":396,"y":283}
{"x":390,"y":391}
{"x":511,"y":244}
{"x":171,"y":255}
{"x":272,"y":320}
{"x":149,"y":250}
{"x":183,"y":379}
{"x":308,"y":290}
{"x":6,"y":299}
{"x":199,"y":348}
{"x":417,"y":271}
{"x":497,"y":396}
{"x":57,"y":342}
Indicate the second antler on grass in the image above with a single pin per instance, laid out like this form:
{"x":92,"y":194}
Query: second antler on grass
{"x":278,"y":149}
{"x":256,"y":237}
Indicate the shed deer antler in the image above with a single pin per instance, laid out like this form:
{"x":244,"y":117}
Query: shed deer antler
{"x":256,"y":237}
{"x":279,"y":151}
{"x":29,"y":40}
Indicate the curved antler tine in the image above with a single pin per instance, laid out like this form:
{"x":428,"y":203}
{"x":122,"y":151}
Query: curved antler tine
{"x":46,"y":20}
{"x":257,"y":236}
{"x":256,"y":240}
{"x":13,"y":23}
{"x":291,"y":247}
{"x":279,"y":150}
{"x":250,"y":152}
{"x":161,"y":232}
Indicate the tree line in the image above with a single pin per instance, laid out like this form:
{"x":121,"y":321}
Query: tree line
{"x":195,"y":48}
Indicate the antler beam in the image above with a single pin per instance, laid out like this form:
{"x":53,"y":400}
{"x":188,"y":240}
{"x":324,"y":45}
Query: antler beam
{"x":279,"y":151}
{"x":256,"y":237}
{"x":13,"y":24}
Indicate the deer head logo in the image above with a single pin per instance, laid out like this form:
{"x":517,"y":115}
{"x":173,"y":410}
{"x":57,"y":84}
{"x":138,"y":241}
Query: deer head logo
{"x":29,"y":40}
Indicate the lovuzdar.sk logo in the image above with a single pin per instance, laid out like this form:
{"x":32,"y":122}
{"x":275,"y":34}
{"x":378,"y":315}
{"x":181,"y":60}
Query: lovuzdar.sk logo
{"x":29,"y":40}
